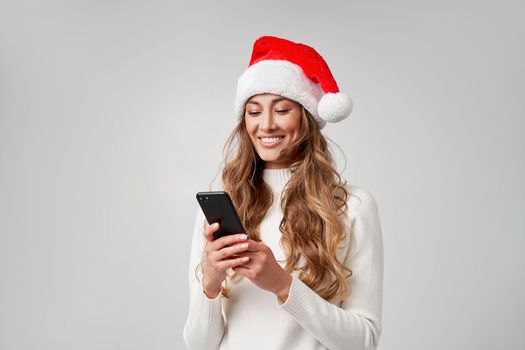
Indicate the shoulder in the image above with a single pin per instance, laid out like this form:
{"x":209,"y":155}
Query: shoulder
{"x":359,"y":198}
{"x":365,"y":225}
{"x":362,"y":220}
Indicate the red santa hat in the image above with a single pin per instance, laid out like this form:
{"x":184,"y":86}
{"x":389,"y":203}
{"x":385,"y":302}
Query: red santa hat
{"x":295,"y":71}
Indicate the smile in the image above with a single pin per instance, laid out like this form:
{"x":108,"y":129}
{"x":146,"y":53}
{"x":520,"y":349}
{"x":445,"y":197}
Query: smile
{"x":270,"y":140}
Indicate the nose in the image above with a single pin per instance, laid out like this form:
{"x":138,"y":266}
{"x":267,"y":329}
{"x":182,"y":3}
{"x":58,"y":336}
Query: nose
{"x":267,"y":122}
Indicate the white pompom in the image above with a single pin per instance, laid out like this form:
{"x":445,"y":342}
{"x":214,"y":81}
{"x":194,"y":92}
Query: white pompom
{"x":334,"y":107}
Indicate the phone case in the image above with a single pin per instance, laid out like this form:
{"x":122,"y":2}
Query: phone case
{"x":217,"y":206}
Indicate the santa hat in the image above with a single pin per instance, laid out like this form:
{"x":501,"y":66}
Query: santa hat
{"x":295,"y":71}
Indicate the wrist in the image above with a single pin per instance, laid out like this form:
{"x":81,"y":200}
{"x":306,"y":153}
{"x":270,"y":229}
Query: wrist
{"x":284,"y":290}
{"x":211,"y":291}
{"x":211,"y":288}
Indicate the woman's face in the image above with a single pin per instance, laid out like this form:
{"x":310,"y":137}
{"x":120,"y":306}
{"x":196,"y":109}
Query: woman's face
{"x":273,"y":122}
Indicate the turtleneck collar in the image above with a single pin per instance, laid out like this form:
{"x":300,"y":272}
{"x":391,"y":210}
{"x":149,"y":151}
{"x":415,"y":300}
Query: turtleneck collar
{"x":277,"y":178}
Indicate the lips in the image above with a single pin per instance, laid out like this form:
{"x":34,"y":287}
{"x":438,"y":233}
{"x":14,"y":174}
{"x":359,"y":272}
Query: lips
{"x":270,"y":141}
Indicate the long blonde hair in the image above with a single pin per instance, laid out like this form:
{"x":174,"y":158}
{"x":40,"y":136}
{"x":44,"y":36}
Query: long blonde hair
{"x":314,"y":206}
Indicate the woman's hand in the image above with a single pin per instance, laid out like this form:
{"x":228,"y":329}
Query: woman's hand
{"x":221,"y":254}
{"x":264,"y":270}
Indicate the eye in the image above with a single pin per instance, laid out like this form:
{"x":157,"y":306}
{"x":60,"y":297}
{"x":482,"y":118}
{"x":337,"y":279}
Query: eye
{"x":254,"y":113}
{"x":283,"y":111}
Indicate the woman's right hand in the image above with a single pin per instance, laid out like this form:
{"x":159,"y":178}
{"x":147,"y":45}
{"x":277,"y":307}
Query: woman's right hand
{"x":221,"y":254}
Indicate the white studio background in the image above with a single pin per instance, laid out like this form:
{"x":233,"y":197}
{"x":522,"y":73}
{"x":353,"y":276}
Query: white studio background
{"x":114,"y":113}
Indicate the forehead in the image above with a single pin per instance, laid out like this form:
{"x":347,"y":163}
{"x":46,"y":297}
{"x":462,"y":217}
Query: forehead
{"x":267,"y":98}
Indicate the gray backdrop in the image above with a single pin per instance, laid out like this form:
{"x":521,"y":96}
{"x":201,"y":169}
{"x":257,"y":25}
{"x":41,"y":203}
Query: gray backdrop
{"x":114,"y":113}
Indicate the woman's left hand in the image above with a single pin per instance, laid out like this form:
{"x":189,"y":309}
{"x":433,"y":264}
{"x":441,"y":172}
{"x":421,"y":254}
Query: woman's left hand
{"x":264,"y":270}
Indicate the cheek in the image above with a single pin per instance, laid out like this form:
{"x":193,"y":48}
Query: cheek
{"x":294,"y":125}
{"x":249,"y":127}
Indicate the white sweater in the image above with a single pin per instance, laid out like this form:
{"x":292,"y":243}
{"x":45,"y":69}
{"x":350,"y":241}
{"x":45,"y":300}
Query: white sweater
{"x":252,"y":318}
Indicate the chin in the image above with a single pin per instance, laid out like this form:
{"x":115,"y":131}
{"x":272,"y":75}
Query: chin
{"x":269,"y":157}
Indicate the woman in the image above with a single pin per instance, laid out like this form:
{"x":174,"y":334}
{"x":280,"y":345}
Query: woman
{"x":309,"y":272}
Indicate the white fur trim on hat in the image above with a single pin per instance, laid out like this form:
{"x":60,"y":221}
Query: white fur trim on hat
{"x":278,"y":77}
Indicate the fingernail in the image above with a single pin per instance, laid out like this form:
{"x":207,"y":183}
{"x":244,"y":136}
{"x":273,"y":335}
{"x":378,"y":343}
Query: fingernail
{"x":215,"y":225}
{"x":244,"y":237}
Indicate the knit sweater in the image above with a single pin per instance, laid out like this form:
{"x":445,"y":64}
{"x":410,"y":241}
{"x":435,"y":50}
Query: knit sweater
{"x":253,"y":318}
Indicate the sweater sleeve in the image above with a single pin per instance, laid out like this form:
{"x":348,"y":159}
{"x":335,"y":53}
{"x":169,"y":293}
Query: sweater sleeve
{"x":356,"y":324}
{"x":204,"y":327}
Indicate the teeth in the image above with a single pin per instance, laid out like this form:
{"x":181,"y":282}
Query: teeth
{"x":271,"y":139}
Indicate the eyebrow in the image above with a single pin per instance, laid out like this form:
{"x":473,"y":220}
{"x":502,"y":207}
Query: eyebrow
{"x":275,"y":100}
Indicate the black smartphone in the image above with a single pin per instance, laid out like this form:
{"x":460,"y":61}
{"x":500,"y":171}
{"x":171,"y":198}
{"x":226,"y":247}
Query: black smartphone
{"x":217,"y":206}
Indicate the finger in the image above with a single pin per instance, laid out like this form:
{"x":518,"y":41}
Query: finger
{"x":252,"y":250}
{"x":254,"y":246}
{"x":229,"y":252}
{"x":251,"y":254}
{"x":209,"y":230}
{"x":243,"y":270}
{"x":225,"y":264}
{"x":228,"y":240}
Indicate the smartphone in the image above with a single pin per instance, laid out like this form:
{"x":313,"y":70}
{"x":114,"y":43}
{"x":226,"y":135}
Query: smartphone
{"x":217,"y":206}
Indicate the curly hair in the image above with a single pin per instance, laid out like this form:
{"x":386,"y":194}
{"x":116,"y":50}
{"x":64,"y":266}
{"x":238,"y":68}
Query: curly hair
{"x":313,"y":203}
